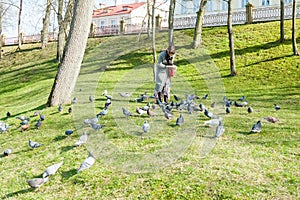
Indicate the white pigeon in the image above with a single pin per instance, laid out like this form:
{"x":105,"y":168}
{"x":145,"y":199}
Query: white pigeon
{"x":82,"y":139}
{"x":124,"y":94}
{"x":220,"y":129}
{"x":51,"y":170}
{"x":87,"y":163}
{"x":212,"y":122}
{"x":146,"y":127}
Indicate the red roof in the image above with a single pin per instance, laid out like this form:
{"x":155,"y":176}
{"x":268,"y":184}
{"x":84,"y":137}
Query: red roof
{"x":117,"y":10}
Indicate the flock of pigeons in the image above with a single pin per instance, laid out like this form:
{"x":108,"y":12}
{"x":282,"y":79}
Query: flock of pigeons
{"x":181,"y":104}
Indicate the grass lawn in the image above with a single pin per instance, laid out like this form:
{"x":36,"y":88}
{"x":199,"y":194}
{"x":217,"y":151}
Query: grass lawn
{"x":169,"y":162}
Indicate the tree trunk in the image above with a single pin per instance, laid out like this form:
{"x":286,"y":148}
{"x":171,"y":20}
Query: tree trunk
{"x":171,"y":22}
{"x":46,"y":23}
{"x":294,"y":39}
{"x":68,"y":17}
{"x":197,"y":41}
{"x":69,"y":68}
{"x":1,"y":14}
{"x":61,"y":35}
{"x":281,"y":20}
{"x":148,"y":20}
{"x":153,"y":38}
{"x":231,"y":40}
{"x":20,"y":38}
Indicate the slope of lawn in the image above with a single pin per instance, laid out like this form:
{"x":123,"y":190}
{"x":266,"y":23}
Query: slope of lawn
{"x":238,"y":165}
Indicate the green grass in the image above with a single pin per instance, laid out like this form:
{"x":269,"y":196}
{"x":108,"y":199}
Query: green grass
{"x":239,"y":166}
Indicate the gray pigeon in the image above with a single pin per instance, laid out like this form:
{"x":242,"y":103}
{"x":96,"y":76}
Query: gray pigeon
{"x":87,"y":163}
{"x":146,"y":127}
{"x":82,"y":140}
{"x":228,"y":110}
{"x":250,"y":109}
{"x":124,"y":94}
{"x":102,"y":113}
{"x":42,"y":117}
{"x":34,"y":145}
{"x":256,"y":128}
{"x":212,"y":122}
{"x":51,"y":170}
{"x":74,"y":100}
{"x":168,"y":115}
{"x":179,"y":120}
{"x":208,"y":114}
{"x":126,"y":112}
{"x":220,"y":129}
{"x":37,"y":182}
{"x":91,"y":99}
{"x":96,"y":127}
{"x":38,"y":124}
{"x":7,"y":152}
{"x":60,"y":107}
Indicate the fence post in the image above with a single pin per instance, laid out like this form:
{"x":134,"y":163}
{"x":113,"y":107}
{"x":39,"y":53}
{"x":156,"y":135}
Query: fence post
{"x":249,"y":13}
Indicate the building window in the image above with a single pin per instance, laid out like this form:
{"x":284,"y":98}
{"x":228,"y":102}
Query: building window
{"x":196,"y":5}
{"x":265,"y":2}
{"x":102,"y":23}
{"x":113,"y":22}
{"x":244,"y":3}
{"x":209,"y":6}
{"x":287,"y":1}
{"x":224,"y":5}
{"x":184,"y":7}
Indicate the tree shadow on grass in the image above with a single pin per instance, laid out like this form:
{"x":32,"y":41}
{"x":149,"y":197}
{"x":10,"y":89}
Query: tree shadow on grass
{"x":66,"y":148}
{"x":68,"y":174}
{"x":40,"y":107}
{"x":17,"y":193}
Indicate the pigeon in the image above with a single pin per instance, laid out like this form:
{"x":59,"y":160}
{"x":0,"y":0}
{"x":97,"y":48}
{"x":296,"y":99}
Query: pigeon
{"x":74,"y":100}
{"x":102,"y":113}
{"x":107,"y":103}
{"x":228,"y":110}
{"x":7,"y":152}
{"x":91,"y":99}
{"x":213,"y":104}
{"x":25,"y":121}
{"x":177,"y":98}
{"x":202,"y":107}
{"x":277,"y":107}
{"x":250,"y":109}
{"x":126,"y":112}
{"x":69,"y":132}
{"x":60,"y":108}
{"x":38,"y":124}
{"x":25,"y":127}
{"x":70,"y":110}
{"x":3,"y":127}
{"x":51,"y":170}
{"x":271,"y":119}
{"x":256,"y":128}
{"x":42,"y":117}
{"x":34,"y":145}
{"x":238,"y":104}
{"x":205,"y":96}
{"x":124,"y":94}
{"x":36,"y":183}
{"x":212,"y":122}
{"x":87,"y":163}
{"x":150,"y":113}
{"x":108,"y":96}
{"x":96,"y":127}
{"x":140,"y":111}
{"x":208,"y":114}
{"x":104,"y":93}
{"x":244,"y":103}
{"x":146,"y":127}
{"x":146,"y":107}
{"x":220,"y":129}
{"x":242,"y":98}
{"x":82,"y":140}
{"x":8,"y":114}
{"x":190,"y":108}
{"x":36,"y":113}
{"x":22,"y":118}
{"x":168,"y":115}
{"x":179,"y":120}
{"x":153,"y":106}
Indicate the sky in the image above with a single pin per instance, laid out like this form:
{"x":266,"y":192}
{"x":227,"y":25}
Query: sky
{"x":32,"y":15}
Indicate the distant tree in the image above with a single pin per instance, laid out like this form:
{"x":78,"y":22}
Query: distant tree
{"x":1,"y":14}
{"x":231,"y":40}
{"x":199,"y":24}
{"x":69,"y":68}
{"x":171,"y":22}
{"x":64,"y":25}
{"x":153,"y":37}
{"x":294,"y":38}
{"x":281,"y":20}
{"x":46,"y":23}
{"x":148,"y":19}
{"x":19,"y":26}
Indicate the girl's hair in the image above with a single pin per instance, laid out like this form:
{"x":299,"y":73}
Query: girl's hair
{"x":171,"y":49}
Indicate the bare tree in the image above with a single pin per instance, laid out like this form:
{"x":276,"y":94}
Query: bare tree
{"x":1,"y":39}
{"x":69,"y":68}
{"x":294,"y":39}
{"x":19,"y":26}
{"x":231,"y":40}
{"x":153,"y":37}
{"x":281,"y":21}
{"x":64,"y":25}
{"x":148,"y":19}
{"x":199,"y":24}
{"x":171,"y":22}
{"x":46,"y":23}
